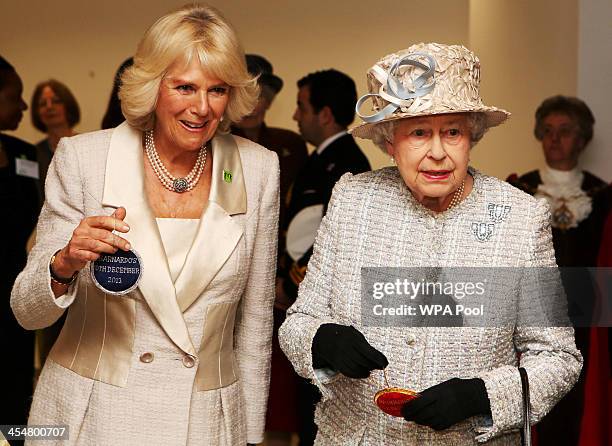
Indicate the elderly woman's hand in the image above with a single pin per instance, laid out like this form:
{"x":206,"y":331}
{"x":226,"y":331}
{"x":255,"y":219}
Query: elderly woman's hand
{"x":345,"y":350}
{"x":447,"y":403}
{"x":92,"y":237}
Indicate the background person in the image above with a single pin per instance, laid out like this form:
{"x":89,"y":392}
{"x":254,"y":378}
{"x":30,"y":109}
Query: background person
{"x":325,"y":109}
{"x":113,"y":115}
{"x":579,"y":205}
{"x":281,"y":417}
{"x":19,"y":201}
{"x":564,"y":126}
{"x":55,"y":112}
{"x":432,"y":210}
{"x":289,"y":146}
{"x":184,"y":358}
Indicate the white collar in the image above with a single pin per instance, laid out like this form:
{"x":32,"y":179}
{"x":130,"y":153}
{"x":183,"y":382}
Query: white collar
{"x":569,"y":204}
{"x":554,"y":177}
{"x":329,"y":140}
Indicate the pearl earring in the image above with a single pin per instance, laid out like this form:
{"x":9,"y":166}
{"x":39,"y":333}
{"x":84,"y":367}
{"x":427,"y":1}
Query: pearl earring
{"x":392,"y":160}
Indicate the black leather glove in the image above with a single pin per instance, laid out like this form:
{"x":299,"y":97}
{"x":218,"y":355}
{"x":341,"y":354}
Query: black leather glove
{"x":345,"y":350}
{"x":447,"y":403}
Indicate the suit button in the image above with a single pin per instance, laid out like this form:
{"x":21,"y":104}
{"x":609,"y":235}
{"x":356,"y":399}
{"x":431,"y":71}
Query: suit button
{"x":189,"y":361}
{"x":146,"y":357}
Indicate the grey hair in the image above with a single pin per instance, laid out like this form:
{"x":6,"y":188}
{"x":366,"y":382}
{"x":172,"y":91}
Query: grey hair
{"x":477,"y":123}
{"x":383,"y":132}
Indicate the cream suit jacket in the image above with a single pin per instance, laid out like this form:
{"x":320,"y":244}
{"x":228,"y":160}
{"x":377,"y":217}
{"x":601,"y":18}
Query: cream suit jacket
{"x":208,"y":335}
{"x":373,"y":221}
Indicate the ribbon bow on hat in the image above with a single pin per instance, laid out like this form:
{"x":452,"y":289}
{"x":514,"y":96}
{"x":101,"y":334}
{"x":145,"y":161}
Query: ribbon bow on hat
{"x":393,"y":91}
{"x":424,"y":80}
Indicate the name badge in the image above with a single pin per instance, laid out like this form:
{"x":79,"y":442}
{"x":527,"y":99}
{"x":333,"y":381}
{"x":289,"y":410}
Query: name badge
{"x":117,"y":273}
{"x":26,"y":168}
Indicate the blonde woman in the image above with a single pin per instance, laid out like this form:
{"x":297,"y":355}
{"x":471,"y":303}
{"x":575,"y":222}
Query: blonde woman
{"x":184,"y":357}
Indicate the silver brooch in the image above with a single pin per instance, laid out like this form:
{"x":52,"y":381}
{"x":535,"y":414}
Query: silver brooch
{"x":483,"y":231}
{"x":498,"y":212}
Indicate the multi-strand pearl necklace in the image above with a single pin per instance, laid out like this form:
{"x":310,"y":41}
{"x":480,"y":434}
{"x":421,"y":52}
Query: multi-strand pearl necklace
{"x":168,"y":180}
{"x":457,"y":196}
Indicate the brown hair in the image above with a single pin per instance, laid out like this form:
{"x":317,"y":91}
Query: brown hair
{"x":73,"y":112}
{"x":566,"y":105}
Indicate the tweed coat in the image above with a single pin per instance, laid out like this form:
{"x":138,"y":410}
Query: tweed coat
{"x":169,"y":363}
{"x":373,"y":220}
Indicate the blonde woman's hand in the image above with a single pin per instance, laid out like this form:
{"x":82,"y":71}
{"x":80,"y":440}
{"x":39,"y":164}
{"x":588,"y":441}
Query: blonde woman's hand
{"x":91,"y":238}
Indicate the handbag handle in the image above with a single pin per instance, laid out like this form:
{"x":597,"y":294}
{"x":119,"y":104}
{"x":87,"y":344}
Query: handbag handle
{"x":526,"y":432}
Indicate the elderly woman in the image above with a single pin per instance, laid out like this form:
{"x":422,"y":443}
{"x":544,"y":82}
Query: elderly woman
{"x":430,"y":210}
{"x":184,"y":356}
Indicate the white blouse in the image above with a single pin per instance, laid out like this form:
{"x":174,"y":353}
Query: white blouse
{"x":177,"y":235}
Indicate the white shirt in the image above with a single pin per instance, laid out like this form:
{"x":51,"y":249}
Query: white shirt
{"x":329,"y":140}
{"x":177,"y":236}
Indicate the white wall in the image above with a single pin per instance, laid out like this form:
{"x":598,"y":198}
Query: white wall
{"x":529,"y":50}
{"x":595,"y":81}
{"x":81,"y":43}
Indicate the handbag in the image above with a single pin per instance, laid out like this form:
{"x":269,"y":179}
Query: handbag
{"x":526,"y":431}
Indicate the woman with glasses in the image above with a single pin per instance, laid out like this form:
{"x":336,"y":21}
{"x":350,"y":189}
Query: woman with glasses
{"x":578,"y":206}
{"x":564,"y":126}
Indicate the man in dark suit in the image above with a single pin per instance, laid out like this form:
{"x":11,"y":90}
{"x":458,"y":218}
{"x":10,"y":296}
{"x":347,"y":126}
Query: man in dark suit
{"x":325,"y":108}
{"x":19,"y":202}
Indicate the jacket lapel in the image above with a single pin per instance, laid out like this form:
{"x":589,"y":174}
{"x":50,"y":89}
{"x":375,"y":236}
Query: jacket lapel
{"x":124,"y":186}
{"x":218,"y":233}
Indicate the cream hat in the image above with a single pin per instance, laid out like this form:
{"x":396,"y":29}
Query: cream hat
{"x":425,"y":79}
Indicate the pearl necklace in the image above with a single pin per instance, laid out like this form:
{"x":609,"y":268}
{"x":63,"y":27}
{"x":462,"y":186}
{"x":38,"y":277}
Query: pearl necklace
{"x":457,"y":196}
{"x":168,"y":180}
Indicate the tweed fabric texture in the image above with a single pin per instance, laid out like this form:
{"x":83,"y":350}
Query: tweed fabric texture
{"x":455,"y":85}
{"x":373,"y":220}
{"x":160,"y":404}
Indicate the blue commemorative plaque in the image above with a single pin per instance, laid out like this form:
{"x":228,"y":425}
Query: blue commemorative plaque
{"x":117,"y":273}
